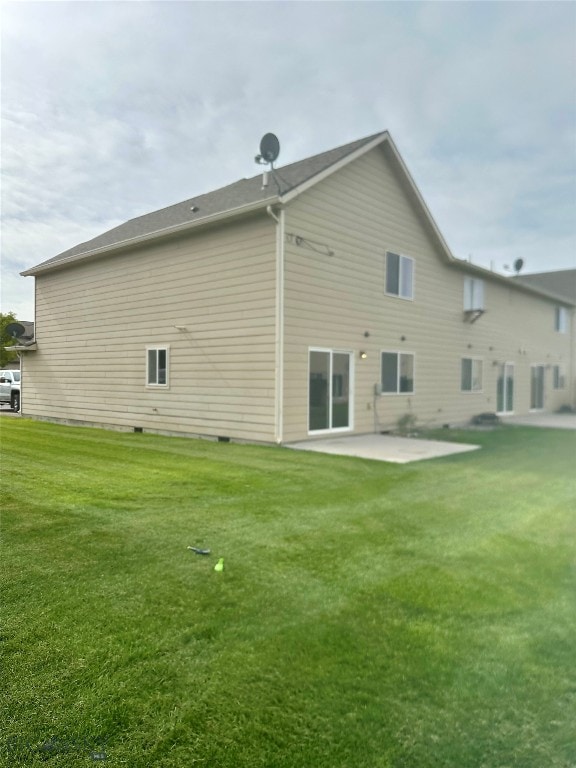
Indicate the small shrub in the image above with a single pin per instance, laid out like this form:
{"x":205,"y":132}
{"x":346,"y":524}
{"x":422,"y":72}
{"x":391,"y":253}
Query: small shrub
{"x":406,"y":423}
{"x":486,"y":419}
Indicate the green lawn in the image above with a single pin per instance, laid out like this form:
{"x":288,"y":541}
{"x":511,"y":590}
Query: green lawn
{"x":369,"y":615}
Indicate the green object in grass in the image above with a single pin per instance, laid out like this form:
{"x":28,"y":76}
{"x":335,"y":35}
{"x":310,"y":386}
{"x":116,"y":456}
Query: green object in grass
{"x":219,"y":565}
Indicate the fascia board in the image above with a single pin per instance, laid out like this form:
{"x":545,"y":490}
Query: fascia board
{"x":383,"y":138}
{"x":152,"y":236}
{"x":460,"y":264}
{"x":421,"y":202}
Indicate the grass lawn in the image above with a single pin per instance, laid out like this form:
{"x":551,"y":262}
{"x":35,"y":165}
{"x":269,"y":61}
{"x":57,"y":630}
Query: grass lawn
{"x":369,"y":615}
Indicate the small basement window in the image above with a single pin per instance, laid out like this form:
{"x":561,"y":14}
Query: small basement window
{"x":157,"y":366}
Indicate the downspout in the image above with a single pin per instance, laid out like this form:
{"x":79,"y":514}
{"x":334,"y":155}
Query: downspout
{"x":279,"y":327}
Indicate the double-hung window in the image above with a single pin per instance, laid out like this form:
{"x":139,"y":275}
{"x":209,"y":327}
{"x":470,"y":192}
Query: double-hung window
{"x":399,"y":276}
{"x":471,"y":375}
{"x":397,"y":373}
{"x":473,"y":294}
{"x":561,"y":319}
{"x":157,"y":366}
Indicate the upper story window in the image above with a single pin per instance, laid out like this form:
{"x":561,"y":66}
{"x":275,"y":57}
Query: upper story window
{"x":157,"y":366}
{"x":473,"y":294}
{"x":561,"y":319}
{"x":399,"y":276}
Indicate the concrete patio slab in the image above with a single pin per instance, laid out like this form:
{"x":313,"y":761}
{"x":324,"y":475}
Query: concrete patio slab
{"x":398,"y":450}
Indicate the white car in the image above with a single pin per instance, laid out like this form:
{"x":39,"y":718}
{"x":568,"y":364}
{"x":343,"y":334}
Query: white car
{"x":10,"y":388}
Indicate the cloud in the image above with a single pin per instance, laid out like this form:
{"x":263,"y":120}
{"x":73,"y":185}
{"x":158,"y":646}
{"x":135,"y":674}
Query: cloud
{"x":114,"y":109}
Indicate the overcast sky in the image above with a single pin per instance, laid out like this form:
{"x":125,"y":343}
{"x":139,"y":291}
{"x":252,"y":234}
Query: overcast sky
{"x":113,"y":109}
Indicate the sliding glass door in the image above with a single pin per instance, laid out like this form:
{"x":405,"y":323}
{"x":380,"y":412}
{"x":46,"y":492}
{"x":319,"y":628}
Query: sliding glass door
{"x":505,"y":389}
{"x":329,"y":400}
{"x":537,"y":388}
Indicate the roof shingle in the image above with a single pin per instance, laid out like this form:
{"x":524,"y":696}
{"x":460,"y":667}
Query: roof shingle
{"x":233,"y":196}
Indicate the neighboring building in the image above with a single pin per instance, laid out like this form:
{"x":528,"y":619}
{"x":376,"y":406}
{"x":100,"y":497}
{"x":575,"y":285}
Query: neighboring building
{"x":26,"y":340}
{"x":321,"y":299}
{"x":559,"y":283}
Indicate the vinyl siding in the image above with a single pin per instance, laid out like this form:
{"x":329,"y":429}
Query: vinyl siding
{"x":96,"y":319}
{"x":332,"y":301}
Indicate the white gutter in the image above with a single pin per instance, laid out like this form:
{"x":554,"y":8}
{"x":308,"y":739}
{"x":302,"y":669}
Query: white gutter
{"x":149,"y":236}
{"x":279,"y":327}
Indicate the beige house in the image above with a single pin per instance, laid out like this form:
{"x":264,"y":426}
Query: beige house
{"x":320,"y":300}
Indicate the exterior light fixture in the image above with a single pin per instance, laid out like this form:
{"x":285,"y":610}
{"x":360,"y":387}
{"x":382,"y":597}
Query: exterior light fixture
{"x":363,"y":355}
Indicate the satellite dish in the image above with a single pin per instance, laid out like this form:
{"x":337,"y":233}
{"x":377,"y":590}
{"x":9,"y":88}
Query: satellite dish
{"x":518,"y":264}
{"x":15,"y":330}
{"x":269,"y":148}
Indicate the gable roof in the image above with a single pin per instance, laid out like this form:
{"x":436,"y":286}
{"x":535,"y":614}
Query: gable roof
{"x":234,"y":199}
{"x":248,"y":195}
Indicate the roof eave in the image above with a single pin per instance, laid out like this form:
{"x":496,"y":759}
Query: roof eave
{"x":152,"y":236}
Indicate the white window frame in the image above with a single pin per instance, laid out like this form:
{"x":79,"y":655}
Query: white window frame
{"x":158,"y":348}
{"x":541,"y":367}
{"x":473,"y":294}
{"x":561,"y":320}
{"x":331,"y":352}
{"x":399,"y":354}
{"x":558,"y":377}
{"x":403,"y":262}
{"x":473,"y":378}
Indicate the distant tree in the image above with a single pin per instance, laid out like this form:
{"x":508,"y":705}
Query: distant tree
{"x":5,"y":340}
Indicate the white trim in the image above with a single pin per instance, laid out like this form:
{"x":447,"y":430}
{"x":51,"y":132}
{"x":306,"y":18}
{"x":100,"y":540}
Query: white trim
{"x":332,"y":430}
{"x":560,"y":319}
{"x":401,"y":256}
{"x":472,"y":391}
{"x":158,"y":348}
{"x":398,"y":391}
{"x":504,"y":366}
{"x":561,"y":377}
{"x":543,"y":366}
